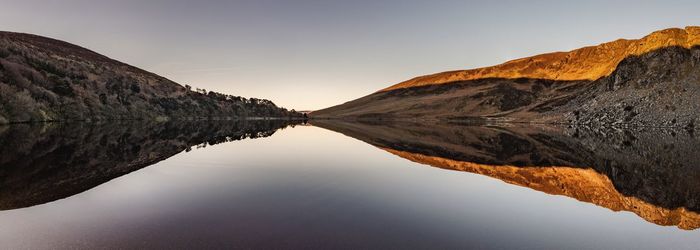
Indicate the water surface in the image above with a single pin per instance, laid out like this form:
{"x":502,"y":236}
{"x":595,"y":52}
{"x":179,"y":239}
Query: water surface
{"x":346,"y":185}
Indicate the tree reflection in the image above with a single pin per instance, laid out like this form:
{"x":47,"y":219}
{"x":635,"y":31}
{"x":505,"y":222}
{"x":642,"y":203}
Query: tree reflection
{"x":40,"y":163}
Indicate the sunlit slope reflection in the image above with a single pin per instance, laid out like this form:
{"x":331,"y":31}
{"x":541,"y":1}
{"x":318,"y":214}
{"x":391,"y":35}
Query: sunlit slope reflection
{"x":652,"y":173}
{"x":583,"y":184}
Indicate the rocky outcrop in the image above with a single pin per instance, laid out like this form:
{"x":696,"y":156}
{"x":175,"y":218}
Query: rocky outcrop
{"x":659,"y":88}
{"x":43,"y":79}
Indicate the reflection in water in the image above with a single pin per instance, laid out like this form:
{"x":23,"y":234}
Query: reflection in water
{"x":652,"y":173}
{"x":45,"y":162}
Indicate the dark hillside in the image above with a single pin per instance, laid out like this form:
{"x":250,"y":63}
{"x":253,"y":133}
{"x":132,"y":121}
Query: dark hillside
{"x":43,"y":79}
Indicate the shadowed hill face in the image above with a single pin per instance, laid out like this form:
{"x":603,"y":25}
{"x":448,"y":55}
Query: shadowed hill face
{"x":588,"y":63}
{"x":45,"y":162}
{"x":650,"y":172}
{"x":43,"y":79}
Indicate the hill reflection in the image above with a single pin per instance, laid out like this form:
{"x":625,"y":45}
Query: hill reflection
{"x":650,"y":172}
{"x":41,"y":163}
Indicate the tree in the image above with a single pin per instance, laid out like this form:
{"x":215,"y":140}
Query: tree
{"x":135,"y":88}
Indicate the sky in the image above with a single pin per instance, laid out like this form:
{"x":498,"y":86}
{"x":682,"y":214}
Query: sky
{"x":308,"y":55}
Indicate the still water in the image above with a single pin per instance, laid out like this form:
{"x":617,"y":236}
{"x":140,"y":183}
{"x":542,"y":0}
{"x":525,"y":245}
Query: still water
{"x":333,"y":184}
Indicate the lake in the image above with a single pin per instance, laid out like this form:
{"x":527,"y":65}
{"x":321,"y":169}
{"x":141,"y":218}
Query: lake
{"x":347,"y":184}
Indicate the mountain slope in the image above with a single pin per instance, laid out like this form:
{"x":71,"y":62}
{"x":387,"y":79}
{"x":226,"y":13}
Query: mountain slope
{"x":588,"y":63}
{"x":621,"y":82}
{"x":43,"y":79}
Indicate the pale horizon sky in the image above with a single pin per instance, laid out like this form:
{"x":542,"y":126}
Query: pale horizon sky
{"x":309,"y":55}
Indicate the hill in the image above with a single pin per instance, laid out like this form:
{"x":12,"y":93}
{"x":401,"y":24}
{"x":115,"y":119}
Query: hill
{"x":651,"y":81}
{"x":43,"y":79}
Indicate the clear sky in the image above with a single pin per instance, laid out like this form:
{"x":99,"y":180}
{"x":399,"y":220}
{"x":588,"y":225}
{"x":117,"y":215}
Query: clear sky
{"x":314,"y":54}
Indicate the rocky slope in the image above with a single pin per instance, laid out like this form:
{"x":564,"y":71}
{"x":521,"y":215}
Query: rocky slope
{"x":651,"y":172}
{"x":651,"y":81}
{"x":43,"y":79}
